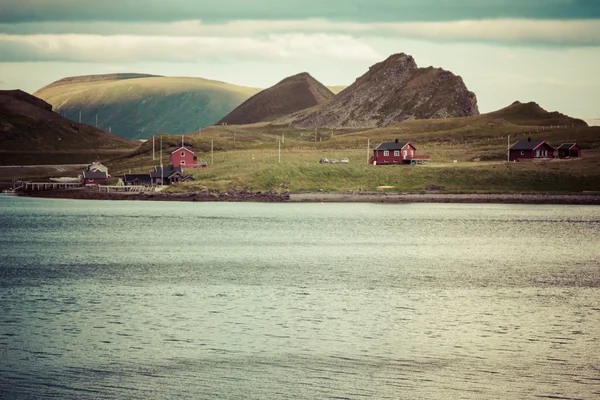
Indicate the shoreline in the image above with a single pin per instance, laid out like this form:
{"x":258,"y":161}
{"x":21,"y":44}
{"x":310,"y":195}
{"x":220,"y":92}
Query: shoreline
{"x":325,"y":197}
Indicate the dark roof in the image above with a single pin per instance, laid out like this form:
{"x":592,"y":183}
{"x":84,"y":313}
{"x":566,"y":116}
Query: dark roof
{"x":528,"y":145}
{"x":567,"y":145}
{"x":166,"y":171}
{"x":94,"y":175}
{"x":133,"y":177}
{"x":391,"y":145}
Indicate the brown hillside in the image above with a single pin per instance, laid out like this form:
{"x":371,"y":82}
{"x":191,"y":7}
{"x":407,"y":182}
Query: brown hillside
{"x":532,"y":114}
{"x":391,"y":92}
{"x":29,"y":124}
{"x":292,"y":94}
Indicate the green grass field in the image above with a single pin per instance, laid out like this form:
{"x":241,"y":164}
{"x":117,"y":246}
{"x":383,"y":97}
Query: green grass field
{"x":248,"y":157}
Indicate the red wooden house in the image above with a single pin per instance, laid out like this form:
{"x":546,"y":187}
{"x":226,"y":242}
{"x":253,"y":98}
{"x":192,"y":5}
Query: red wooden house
{"x":396,"y":153}
{"x":569,"y":150}
{"x":184,"y":158}
{"x":95,"y":177}
{"x":529,"y":150}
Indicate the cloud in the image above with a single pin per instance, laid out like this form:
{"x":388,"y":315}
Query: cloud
{"x":339,"y":10}
{"x":128,"y":48}
{"x":517,"y":32}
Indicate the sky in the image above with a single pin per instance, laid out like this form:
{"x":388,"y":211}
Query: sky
{"x":547,"y":51}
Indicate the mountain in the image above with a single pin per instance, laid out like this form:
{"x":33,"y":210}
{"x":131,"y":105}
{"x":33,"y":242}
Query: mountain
{"x":391,"y":92}
{"x":137,"y":106}
{"x":292,"y":94}
{"x":532,"y":114}
{"x":28,"y":123}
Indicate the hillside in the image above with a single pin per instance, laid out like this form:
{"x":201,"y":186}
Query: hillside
{"x":136,"y":106}
{"x":28,"y":123}
{"x":532,"y":114}
{"x":292,"y":94}
{"x":391,"y":92}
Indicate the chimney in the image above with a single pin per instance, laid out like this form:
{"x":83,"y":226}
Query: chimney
{"x":529,"y":139}
{"x":396,"y":140}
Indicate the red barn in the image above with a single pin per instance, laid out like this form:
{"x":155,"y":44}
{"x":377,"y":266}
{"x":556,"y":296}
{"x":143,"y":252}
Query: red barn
{"x":529,"y":150}
{"x":184,"y":158}
{"x":395,"y":153}
{"x":569,"y":150}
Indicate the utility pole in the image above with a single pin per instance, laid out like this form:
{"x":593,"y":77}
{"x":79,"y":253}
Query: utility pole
{"x":79,"y":116}
{"x":153,"y":158}
{"x":283,"y":138}
{"x":508,"y":150}
{"x":161,"y":166}
{"x":182,"y":144}
{"x":280,"y":152}
{"x":212,"y":156}
{"x":96,"y":120}
{"x":315,"y":134}
{"x":368,"y":152}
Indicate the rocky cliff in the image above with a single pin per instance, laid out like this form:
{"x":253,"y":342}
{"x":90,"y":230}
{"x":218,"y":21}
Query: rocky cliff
{"x":391,"y":92}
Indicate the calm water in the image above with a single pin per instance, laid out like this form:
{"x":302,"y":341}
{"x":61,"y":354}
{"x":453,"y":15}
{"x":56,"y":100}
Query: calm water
{"x":150,"y":300}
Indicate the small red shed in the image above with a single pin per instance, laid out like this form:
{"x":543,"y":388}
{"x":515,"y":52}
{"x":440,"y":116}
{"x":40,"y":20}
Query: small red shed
{"x":529,"y":150}
{"x":184,"y":158}
{"x":569,"y":150}
{"x":395,"y":153}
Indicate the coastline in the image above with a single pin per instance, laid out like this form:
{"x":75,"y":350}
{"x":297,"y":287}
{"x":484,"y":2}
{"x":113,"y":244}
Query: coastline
{"x":325,"y":197}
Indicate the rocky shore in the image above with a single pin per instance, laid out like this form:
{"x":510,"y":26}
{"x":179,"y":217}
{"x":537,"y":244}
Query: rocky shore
{"x":325,"y":197}
{"x":204,"y":195}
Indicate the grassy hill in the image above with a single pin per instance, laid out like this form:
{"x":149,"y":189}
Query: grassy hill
{"x":31,"y":133}
{"x":247,"y":156}
{"x":136,"y":106}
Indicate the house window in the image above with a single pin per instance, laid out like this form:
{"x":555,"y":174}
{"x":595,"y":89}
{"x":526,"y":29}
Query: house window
{"x":182,"y":162}
{"x":412,"y":153}
{"x":396,"y":152}
{"x":522,"y":152}
{"x":386,"y":153}
{"x":183,"y":154}
{"x":90,"y":179}
{"x":405,"y":152}
{"x":537,"y":153}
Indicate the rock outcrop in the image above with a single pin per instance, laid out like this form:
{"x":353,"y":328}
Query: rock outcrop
{"x":391,"y":92}
{"x":295,"y":93}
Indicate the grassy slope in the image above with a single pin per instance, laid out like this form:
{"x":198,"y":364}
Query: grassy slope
{"x":252,"y":160}
{"x":31,"y":134}
{"x":140,"y":107}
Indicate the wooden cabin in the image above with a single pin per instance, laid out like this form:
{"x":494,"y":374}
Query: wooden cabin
{"x":530,"y":150}
{"x":569,"y":150}
{"x":394,"y":153}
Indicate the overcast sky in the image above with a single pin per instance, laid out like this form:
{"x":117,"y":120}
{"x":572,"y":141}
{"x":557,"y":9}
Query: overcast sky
{"x":546,"y":51}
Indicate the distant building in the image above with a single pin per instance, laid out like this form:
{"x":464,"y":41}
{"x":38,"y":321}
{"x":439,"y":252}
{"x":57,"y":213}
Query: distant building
{"x":389,"y":153}
{"x":97,"y":166}
{"x":168,"y":175}
{"x":137,"y":180}
{"x":529,"y":150}
{"x":95,"y":177}
{"x":184,"y":158}
{"x":569,"y":150}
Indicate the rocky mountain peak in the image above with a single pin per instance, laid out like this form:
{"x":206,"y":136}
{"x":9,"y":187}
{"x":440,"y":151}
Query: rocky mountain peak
{"x":393,"y":91}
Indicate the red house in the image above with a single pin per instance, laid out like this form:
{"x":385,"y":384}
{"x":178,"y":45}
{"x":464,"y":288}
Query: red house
{"x":569,"y":150}
{"x":530,"y":150}
{"x":184,"y":158}
{"x":95,"y":177}
{"x":396,"y":153}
